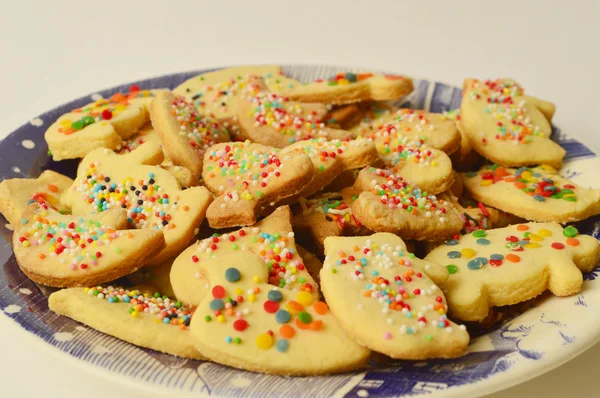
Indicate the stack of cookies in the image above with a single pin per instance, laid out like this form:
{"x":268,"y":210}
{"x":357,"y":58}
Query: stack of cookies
{"x":180,"y":231}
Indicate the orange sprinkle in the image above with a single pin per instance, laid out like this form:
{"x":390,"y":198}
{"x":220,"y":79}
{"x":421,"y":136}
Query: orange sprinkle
{"x":257,"y":289}
{"x":287,"y":332}
{"x":186,"y":208}
{"x":52,"y":188}
{"x":118,"y":97}
{"x":501,"y":172}
{"x":509,"y":179}
{"x":522,"y":227}
{"x":520,"y":184}
{"x":572,"y":242}
{"x":42,"y":256}
{"x":356,"y":248}
{"x":296,"y":305}
{"x":367,"y":293}
{"x":513,"y":258}
{"x":129,"y":235}
{"x":302,"y":326}
{"x":315,"y":325}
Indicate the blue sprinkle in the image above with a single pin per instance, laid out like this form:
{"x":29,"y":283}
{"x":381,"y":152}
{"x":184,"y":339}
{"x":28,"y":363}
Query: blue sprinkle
{"x":151,"y":175}
{"x":232,"y":275}
{"x":126,"y":299}
{"x":477,"y":263}
{"x":539,"y":198}
{"x":166,"y":320}
{"x":452,"y":242}
{"x":228,"y":339}
{"x":496,"y":256}
{"x":283,"y":316}
{"x":482,"y":241}
{"x":282,"y":345}
{"x":441,"y":324}
{"x":471,"y":174}
{"x":275,"y":295}
{"x":453,"y":254}
{"x":216,"y":305}
{"x":374,"y":273}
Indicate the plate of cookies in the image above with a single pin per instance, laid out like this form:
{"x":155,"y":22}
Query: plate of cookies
{"x":303,"y":230}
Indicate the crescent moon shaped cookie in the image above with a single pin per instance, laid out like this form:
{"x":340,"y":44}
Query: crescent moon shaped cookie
{"x":67,"y":251}
{"x":390,"y":204}
{"x":509,"y":265}
{"x":184,"y":132}
{"x":271,"y":119}
{"x":101,"y":124}
{"x":536,"y":194}
{"x":116,"y":311}
{"x":247,"y":176}
{"x":506,"y":126}
{"x":18,"y":193}
{"x":151,"y":195}
{"x":272,"y":239}
{"x":347,"y":87}
{"x":388,"y":300}
{"x":248,"y":324}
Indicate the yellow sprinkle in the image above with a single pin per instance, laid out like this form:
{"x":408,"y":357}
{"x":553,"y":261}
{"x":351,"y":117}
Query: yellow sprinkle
{"x":66,"y":123}
{"x":252,"y":298}
{"x":434,"y":163}
{"x":304,"y":298}
{"x":26,"y":243}
{"x":238,"y":291}
{"x":467,"y":252}
{"x":87,"y":289}
{"x":544,"y":232}
{"x":536,"y":237}
{"x":442,"y":311}
{"x":264,"y":341}
{"x":526,"y":175}
{"x":156,"y":320}
{"x":532,"y":245}
{"x":134,"y":314}
{"x":484,"y":183}
{"x":221,"y":318}
{"x":44,"y":214}
{"x":256,"y":279}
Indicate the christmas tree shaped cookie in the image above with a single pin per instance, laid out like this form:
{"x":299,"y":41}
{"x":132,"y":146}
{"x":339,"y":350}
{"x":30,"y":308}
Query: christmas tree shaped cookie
{"x":64,"y":250}
{"x":151,"y":195}
{"x":509,"y":265}
{"x":537,"y":194}
{"x":506,"y":126}
{"x":272,"y":239}
{"x":246,"y":323}
{"x":388,"y":300}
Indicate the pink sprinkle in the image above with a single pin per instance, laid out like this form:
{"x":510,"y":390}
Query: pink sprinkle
{"x":114,"y":236}
{"x":94,"y":262}
{"x":74,"y":267}
{"x":387,"y":336}
{"x":407,"y":263}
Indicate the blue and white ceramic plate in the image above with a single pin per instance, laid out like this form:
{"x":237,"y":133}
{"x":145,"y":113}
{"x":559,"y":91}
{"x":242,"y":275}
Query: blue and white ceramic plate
{"x":552,"y":332}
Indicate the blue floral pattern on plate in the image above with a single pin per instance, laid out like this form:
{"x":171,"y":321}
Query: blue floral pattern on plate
{"x":539,"y":339}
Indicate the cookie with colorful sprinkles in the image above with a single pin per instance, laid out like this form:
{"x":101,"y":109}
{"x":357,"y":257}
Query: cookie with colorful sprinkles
{"x":272,"y":239}
{"x":388,"y":300}
{"x":506,"y":126}
{"x":246,"y":177}
{"x":101,"y":124}
{"x":388,"y":203}
{"x":249,"y":324}
{"x":509,"y":265}
{"x":151,"y":195}
{"x":16,"y":194}
{"x":269,"y":118}
{"x":348,"y":87}
{"x":536,"y":194}
{"x":59,"y":250}
{"x":147,"y":320}
{"x":184,"y":132}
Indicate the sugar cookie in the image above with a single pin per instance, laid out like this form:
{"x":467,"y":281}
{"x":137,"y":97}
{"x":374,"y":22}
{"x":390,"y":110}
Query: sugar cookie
{"x":18,"y":193}
{"x":117,"y":312}
{"x":270,"y":119}
{"x":465,"y":158}
{"x":371,"y":114}
{"x":184,"y":132}
{"x":247,"y":176}
{"x":343,"y":116}
{"x":65,"y":251}
{"x":101,"y":124}
{"x":390,"y":204}
{"x":509,"y":265}
{"x":506,"y":126}
{"x":385,"y":300}
{"x":272,"y":239}
{"x":248,"y":324}
{"x":151,"y":195}
{"x":536,"y":194}
{"x":311,"y":262}
{"x":158,"y":276}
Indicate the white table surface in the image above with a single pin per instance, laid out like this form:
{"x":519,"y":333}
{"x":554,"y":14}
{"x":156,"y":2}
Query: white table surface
{"x":54,"y":51}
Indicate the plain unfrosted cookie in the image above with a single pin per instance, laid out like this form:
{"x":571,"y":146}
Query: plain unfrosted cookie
{"x":536,"y":194}
{"x":506,"y":126}
{"x":509,"y":265}
{"x":101,"y":124}
{"x":272,"y":239}
{"x":328,"y":214}
{"x":66,"y":251}
{"x":116,"y":311}
{"x":271,"y":119}
{"x":246,"y":177}
{"x":151,"y":195}
{"x":387,"y":300}
{"x":248,"y":324}
{"x":348,"y":87}
{"x":18,"y":193}
{"x":388,"y":203}
{"x":184,"y":132}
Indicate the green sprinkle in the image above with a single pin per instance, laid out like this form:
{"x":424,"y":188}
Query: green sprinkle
{"x":452,"y":269}
{"x":207,"y":318}
{"x":570,"y":232}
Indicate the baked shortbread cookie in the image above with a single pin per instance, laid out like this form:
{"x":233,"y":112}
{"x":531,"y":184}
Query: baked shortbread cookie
{"x":371,"y":113}
{"x":311,"y":262}
{"x":184,"y":132}
{"x":151,"y":195}
{"x":66,"y":251}
{"x":343,"y":116}
{"x":330,"y":159}
{"x":395,"y":128}
{"x":272,"y":239}
{"x":390,"y":204}
{"x":16,"y":194}
{"x":388,"y":300}
{"x":506,"y":126}
{"x":537,"y":194}
{"x":348,"y":87}
{"x":465,"y":158}
{"x":159,"y":277}
{"x":246,"y":177}
{"x":121,"y":313}
{"x":101,"y":124}
{"x":509,"y":265}
{"x":248,"y":324}
{"x":271,"y":119}
{"x":328,"y":214}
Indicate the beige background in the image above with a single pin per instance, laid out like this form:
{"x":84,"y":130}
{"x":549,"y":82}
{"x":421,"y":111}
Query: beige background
{"x":54,"y":51}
